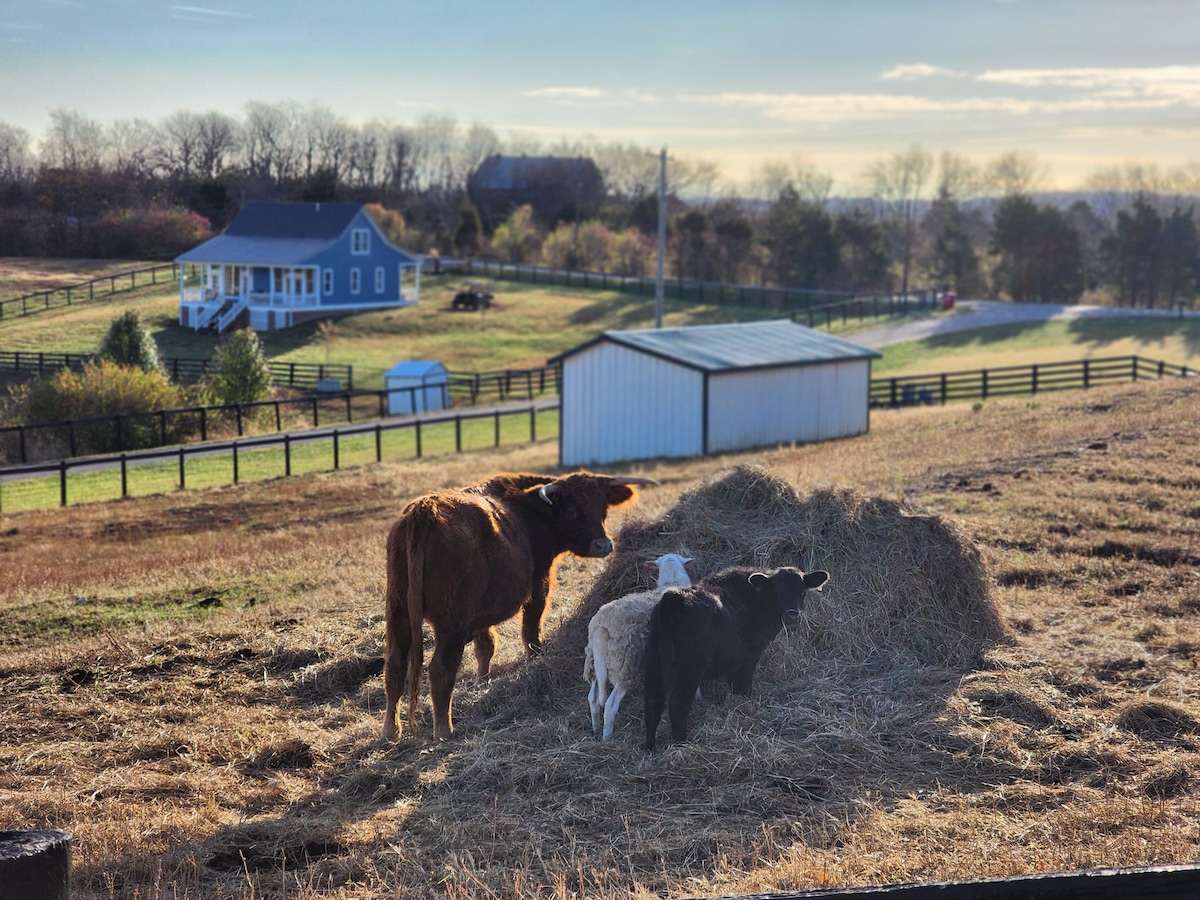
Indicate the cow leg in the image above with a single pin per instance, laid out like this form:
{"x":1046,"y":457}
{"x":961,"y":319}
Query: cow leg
{"x":397,"y":644}
{"x":485,"y":649}
{"x":443,"y":669}
{"x":531,"y":618}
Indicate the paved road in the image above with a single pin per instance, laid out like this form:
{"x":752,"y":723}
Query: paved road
{"x":985,"y":313}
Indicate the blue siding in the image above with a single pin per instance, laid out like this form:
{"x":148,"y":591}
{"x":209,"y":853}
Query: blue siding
{"x":341,"y":259}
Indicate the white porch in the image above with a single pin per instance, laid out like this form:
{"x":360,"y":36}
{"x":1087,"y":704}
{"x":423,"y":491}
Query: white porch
{"x":276,"y":296}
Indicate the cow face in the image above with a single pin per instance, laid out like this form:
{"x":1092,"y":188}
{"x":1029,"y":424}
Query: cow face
{"x":579,"y":505}
{"x":786,"y":589}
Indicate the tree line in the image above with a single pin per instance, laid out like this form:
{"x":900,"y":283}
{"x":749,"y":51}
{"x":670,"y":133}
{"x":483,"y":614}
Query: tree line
{"x":134,"y":188}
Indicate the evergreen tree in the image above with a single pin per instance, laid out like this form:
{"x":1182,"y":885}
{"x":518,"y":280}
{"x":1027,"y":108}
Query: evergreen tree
{"x":128,"y":343}
{"x":242,"y":374}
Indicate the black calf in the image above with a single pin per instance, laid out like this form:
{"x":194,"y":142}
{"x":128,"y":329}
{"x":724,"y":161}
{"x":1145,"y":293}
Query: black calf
{"x":717,"y":628}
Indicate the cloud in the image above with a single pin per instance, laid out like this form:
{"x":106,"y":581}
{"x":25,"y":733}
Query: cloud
{"x":831,"y":108}
{"x":205,"y":11}
{"x":1175,"y":84}
{"x":919,"y":70}
{"x":568,"y":93}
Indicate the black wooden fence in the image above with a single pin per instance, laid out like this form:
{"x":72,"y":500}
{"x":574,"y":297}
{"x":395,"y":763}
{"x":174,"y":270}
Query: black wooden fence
{"x":181,"y":370}
{"x":101,"y":287}
{"x":1008,"y":381}
{"x":778,"y":298}
{"x":63,"y":468}
{"x":117,"y":433}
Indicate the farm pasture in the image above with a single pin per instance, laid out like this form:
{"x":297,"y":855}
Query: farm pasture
{"x":192,"y":686}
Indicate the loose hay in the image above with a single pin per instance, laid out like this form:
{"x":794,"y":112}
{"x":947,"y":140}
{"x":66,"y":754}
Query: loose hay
{"x":904,"y":588}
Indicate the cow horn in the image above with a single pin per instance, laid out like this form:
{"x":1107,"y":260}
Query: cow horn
{"x":618,"y":479}
{"x":545,"y":490}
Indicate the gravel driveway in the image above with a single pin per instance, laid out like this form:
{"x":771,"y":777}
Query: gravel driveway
{"x":985,"y":313}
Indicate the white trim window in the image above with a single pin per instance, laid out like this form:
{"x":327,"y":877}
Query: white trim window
{"x":355,"y":280}
{"x":360,"y":241}
{"x":379,"y":279}
{"x":327,"y":285}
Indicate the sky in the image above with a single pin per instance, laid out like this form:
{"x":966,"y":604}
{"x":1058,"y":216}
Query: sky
{"x":1083,"y":84}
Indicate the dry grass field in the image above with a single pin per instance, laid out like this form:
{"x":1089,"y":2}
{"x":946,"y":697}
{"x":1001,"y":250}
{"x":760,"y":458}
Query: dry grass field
{"x":1000,"y":677}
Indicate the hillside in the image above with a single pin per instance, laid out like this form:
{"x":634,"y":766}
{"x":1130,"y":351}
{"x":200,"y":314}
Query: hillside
{"x":193,"y":681}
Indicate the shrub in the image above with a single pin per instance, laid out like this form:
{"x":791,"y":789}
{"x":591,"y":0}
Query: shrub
{"x":128,"y":343}
{"x":150,"y":233}
{"x":102,"y":389}
{"x":241,"y":374}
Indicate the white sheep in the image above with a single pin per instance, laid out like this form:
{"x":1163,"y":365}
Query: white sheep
{"x":617,"y":642}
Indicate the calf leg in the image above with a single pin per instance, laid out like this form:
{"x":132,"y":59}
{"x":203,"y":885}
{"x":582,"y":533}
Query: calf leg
{"x":397,"y":646}
{"x":485,"y":649}
{"x":443,"y":669}
{"x":680,"y":704}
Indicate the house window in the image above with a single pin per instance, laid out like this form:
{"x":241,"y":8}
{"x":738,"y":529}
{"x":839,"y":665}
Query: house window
{"x":360,"y":241}
{"x":379,"y":280}
{"x":328,"y":285}
{"x":355,"y":281}
{"x":310,"y":280}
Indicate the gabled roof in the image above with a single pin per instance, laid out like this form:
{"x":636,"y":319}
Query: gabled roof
{"x":280,"y":234}
{"x":516,"y":173}
{"x":416,"y":368}
{"x":726,"y":348}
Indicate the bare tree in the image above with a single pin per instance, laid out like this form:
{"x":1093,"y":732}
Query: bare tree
{"x":271,"y":146}
{"x":811,"y":183}
{"x":219,"y":138}
{"x":896,"y":184}
{"x":479,"y":143}
{"x":16,"y":160}
{"x":132,"y":146}
{"x":433,"y":141}
{"x":1015,"y":172}
{"x":73,"y":142}
{"x":957,"y":178}
{"x":400,"y":160}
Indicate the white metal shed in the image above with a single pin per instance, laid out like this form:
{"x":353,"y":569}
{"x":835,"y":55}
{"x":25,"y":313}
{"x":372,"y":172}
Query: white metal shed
{"x":416,"y":386}
{"x":675,"y":392}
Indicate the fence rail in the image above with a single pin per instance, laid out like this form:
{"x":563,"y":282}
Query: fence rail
{"x":777,"y":298}
{"x":182,"y":370}
{"x":118,"y":433}
{"x":1008,"y":381}
{"x":419,"y":425}
{"x":53,"y":298}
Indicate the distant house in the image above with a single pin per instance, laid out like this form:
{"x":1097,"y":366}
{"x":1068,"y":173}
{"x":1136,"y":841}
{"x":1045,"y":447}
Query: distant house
{"x":559,"y":188}
{"x":279,"y":264}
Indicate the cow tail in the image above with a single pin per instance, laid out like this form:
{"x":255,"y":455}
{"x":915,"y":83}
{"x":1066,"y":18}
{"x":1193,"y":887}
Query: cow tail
{"x":418,"y":533}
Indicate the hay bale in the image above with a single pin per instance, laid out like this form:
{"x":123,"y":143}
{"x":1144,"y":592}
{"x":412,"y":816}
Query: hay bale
{"x":905,"y":587}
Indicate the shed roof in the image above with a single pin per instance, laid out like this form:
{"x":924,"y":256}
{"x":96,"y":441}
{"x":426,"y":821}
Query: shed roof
{"x":415,"y":368}
{"x":723,"y":348}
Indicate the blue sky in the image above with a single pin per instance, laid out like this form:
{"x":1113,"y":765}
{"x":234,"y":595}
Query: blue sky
{"x":1081,"y":84}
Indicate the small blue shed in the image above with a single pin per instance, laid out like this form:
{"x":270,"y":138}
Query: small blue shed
{"x":416,"y":386}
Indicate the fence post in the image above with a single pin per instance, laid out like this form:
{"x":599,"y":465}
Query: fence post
{"x":532,"y":424}
{"x":336,"y":451}
{"x":182,"y":479}
{"x":497,"y":429}
{"x":1086,"y":374}
{"x":278,"y":420}
{"x":458,"y":434}
{"x":984,"y":384}
{"x":1033,"y":380}
{"x":124,"y":478}
{"x":21,"y":441}
{"x":203,"y":424}
{"x":378,"y":442}
{"x":62,"y":482}
{"x":235,"y":462}
{"x":287,"y":454}
{"x":943,"y":389}
{"x":237,"y":408}
{"x":418,"y":423}
{"x":316,"y":413}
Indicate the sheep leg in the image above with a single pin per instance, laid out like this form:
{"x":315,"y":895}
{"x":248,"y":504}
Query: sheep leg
{"x":610,"y":710}
{"x":598,"y":694}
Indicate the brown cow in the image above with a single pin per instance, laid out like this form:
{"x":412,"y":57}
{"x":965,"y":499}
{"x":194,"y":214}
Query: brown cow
{"x":466,"y":559}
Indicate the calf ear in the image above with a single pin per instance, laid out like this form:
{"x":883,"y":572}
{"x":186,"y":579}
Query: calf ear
{"x":758,"y":580}
{"x":816,"y":579}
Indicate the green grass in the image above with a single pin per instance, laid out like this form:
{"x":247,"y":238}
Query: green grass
{"x":259,"y":464}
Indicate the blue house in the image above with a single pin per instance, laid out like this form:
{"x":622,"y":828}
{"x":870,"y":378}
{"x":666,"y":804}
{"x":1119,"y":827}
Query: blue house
{"x":279,"y":264}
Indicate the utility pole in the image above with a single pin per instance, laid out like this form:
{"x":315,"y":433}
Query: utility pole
{"x":662,"y":234}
